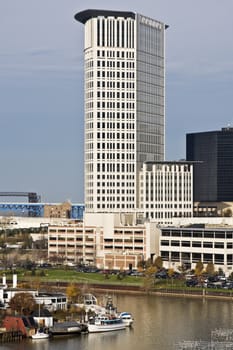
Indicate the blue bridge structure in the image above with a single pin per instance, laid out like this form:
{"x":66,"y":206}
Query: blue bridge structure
{"x":36,"y":210}
{"x":33,"y":208}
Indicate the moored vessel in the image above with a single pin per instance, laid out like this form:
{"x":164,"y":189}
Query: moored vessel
{"x":127,"y":318}
{"x":104,"y":323}
{"x":40,"y":335}
{"x":68,"y":328}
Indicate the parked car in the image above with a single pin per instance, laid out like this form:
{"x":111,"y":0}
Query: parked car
{"x":161,"y":274}
{"x":215,"y":285}
{"x":191,"y":282}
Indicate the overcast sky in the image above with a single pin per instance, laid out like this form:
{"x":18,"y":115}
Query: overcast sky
{"x":41,"y":85}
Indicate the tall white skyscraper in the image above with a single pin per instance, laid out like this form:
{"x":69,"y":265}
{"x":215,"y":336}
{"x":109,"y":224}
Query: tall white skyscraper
{"x":124,"y":105}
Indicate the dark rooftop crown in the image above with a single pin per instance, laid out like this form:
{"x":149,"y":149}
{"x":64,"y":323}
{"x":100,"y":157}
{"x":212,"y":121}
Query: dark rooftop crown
{"x":85,"y":15}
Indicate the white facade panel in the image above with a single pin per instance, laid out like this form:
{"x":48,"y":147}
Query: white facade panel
{"x":166,"y":191}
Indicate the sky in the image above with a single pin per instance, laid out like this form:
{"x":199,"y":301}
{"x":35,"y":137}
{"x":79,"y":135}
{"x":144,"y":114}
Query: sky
{"x":41,"y":85}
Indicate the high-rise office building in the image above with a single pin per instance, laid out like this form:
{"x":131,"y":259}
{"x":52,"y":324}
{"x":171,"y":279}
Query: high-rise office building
{"x":124,"y":58}
{"x":213,"y":179}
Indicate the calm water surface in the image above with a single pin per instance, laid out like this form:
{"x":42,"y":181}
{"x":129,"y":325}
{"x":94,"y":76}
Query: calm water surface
{"x":160,"y":322}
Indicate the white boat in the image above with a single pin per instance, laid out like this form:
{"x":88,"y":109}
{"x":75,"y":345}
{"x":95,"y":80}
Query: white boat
{"x":40,"y":335}
{"x":127,"y":318}
{"x":105,"y":324}
{"x":89,"y":303}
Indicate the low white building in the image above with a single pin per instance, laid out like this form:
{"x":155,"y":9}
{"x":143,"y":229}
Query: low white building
{"x":51,"y":301}
{"x":191,"y":244}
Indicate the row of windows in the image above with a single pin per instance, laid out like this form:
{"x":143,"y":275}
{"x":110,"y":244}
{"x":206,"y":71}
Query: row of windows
{"x":112,"y":84}
{"x":125,"y":247}
{"x":113,"y":64}
{"x":111,"y":74}
{"x":112,"y":136}
{"x":117,"y":146}
{"x":118,"y":176}
{"x":126,"y":232}
{"x":115,"y":184}
{"x":117,"y":115}
{"x":187,"y":257}
{"x":112,"y":191}
{"x":111,"y":125}
{"x":162,"y":193}
{"x":195,"y":244}
{"x":167,"y":198}
{"x":167,"y":214}
{"x":164,"y":188}
{"x":117,"y":240}
{"x":168,"y":180}
{"x":111,"y":167}
{"x":112,"y":94}
{"x":114,"y":206}
{"x":169,"y":205}
{"x":118,"y":54}
{"x":60,"y":239}
{"x":175,"y":170}
{"x":63,"y":230}
{"x":104,"y":104}
{"x":128,"y":156}
{"x":192,"y":233}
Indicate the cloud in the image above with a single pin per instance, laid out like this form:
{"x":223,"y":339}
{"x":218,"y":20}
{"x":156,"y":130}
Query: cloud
{"x":201,"y":69}
{"x":39,"y":60}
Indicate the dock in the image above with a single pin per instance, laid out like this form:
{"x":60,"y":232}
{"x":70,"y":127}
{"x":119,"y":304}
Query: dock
{"x":10,"y":336}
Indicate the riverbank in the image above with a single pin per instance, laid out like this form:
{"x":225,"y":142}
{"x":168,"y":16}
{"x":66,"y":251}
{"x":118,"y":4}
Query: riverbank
{"x":59,"y":279}
{"x":139,"y":290}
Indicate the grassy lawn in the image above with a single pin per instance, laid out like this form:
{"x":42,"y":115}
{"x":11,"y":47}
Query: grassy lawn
{"x":72,"y":276}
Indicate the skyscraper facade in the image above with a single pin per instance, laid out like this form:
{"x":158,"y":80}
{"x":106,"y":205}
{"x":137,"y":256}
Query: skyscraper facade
{"x":124,"y":57}
{"x":213,"y":180}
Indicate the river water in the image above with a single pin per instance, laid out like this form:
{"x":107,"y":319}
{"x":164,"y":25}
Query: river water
{"x":159,"y":324}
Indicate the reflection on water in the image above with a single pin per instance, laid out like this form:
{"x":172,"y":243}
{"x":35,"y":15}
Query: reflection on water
{"x":160,"y":323}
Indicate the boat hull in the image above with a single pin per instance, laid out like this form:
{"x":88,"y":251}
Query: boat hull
{"x":64,"y":332}
{"x":105,"y":324}
{"x":40,"y":336}
{"x":105,"y":328}
{"x":68,"y":329}
{"x":127,"y":318}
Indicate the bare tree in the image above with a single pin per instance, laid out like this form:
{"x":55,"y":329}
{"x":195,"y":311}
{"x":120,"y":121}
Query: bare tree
{"x":23,"y":303}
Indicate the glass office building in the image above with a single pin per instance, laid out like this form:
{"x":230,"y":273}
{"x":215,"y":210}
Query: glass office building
{"x":213,"y":180}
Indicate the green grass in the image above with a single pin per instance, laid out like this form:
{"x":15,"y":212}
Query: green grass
{"x":72,"y":276}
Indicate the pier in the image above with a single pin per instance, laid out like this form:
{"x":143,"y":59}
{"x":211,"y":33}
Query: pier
{"x":12,"y":336}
